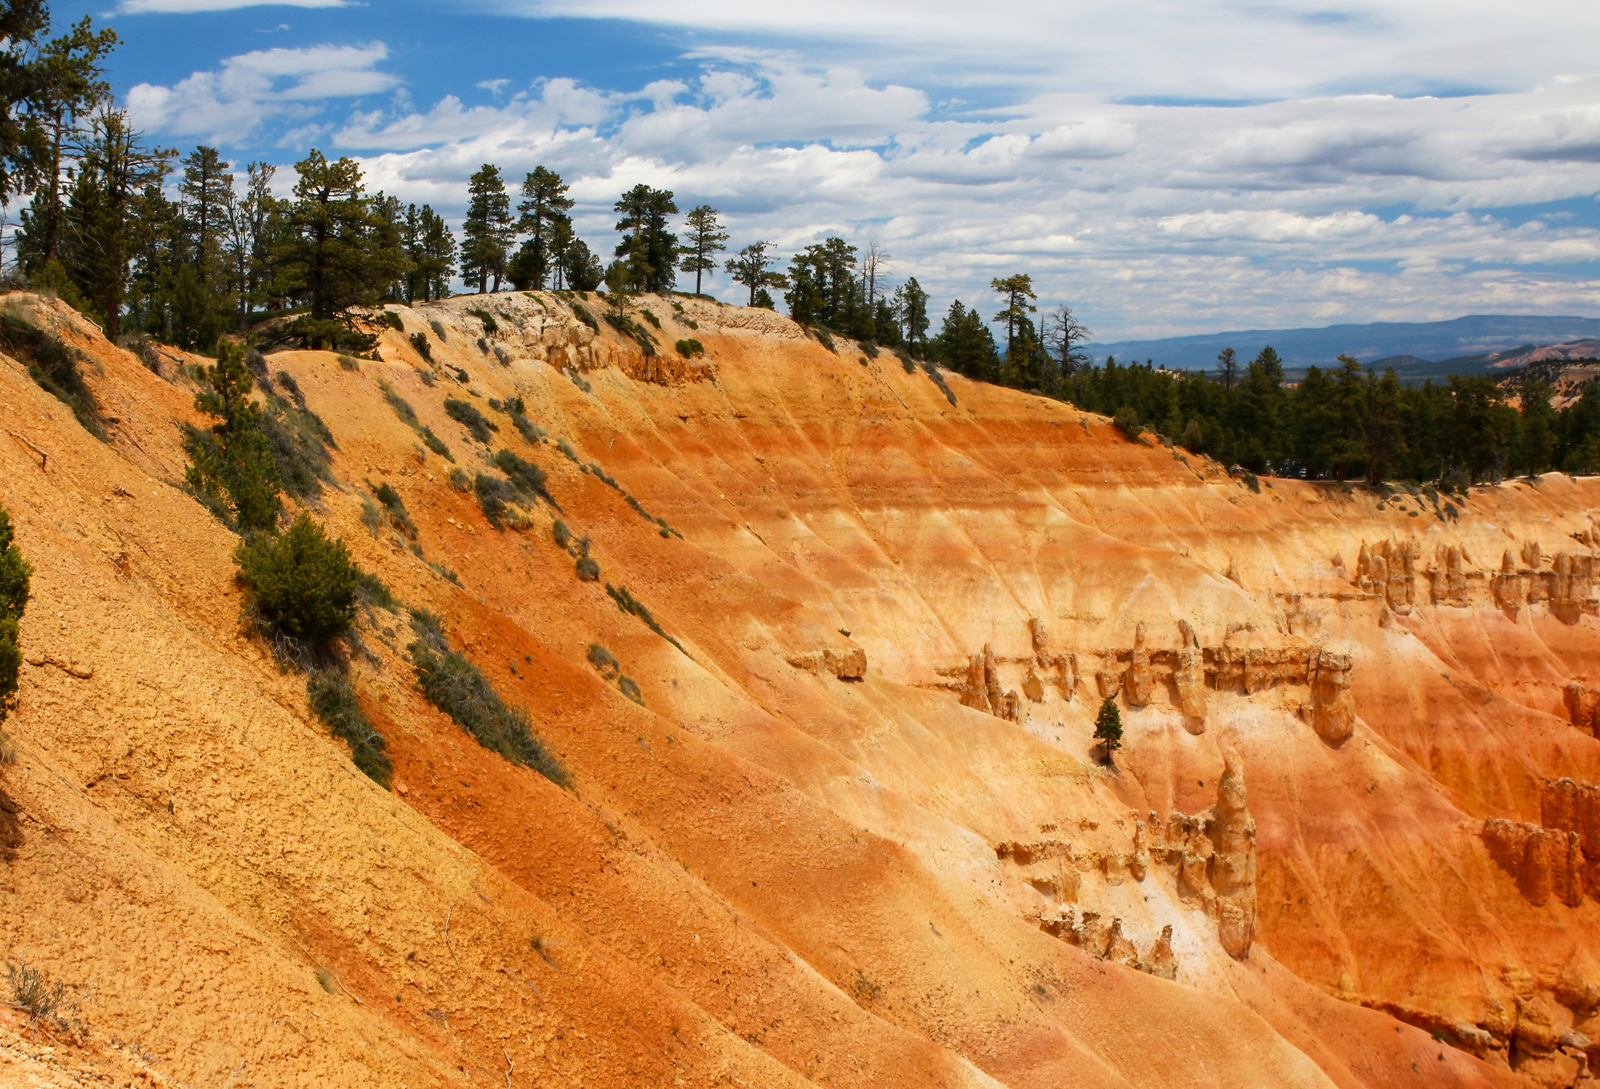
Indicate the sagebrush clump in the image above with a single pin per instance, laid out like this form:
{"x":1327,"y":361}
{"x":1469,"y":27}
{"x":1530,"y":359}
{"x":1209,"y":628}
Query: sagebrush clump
{"x":333,"y":700}
{"x":53,"y":366}
{"x":458,"y":688}
{"x":469,"y":417}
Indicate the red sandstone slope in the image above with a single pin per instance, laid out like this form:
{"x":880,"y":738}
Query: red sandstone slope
{"x":766,"y":874}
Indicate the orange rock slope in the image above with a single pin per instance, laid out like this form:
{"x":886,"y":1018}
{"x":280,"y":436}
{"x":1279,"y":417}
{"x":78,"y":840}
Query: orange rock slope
{"x":852,"y":831}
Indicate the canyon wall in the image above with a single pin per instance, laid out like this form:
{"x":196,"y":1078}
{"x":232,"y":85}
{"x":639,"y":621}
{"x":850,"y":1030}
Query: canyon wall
{"x":849,"y":826}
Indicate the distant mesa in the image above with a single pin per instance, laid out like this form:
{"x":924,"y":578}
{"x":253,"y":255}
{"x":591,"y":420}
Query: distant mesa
{"x":1478,"y":344}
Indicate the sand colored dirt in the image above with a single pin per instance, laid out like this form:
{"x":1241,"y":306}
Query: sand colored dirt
{"x":777,"y":867}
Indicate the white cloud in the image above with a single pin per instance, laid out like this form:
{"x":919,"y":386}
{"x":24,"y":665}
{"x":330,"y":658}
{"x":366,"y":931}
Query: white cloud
{"x":185,"y":7}
{"x":229,"y":104}
{"x":1100,"y":165}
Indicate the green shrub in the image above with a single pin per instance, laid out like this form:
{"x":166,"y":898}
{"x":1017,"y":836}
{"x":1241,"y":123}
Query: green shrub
{"x":54,"y":368}
{"x":302,"y":584}
{"x":824,"y":338}
{"x":1192,"y":440}
{"x":333,"y":700}
{"x":633,"y":606}
{"x":606,"y":664}
{"x":627,"y":326}
{"x":691,"y":323}
{"x":389,"y":320}
{"x":532,"y":432}
{"x":932,"y":370}
{"x":588,"y":569}
{"x":651,"y":318}
{"x":15,"y":581}
{"x":584,"y":316}
{"x":401,"y":406}
{"x":461,"y":375}
{"x":560,"y":533}
{"x":426,"y":377}
{"x":604,"y":661}
{"x":1127,"y":421}
{"x":870,"y":348}
{"x":46,"y":1002}
{"x":470,"y":418}
{"x":396,"y":507}
{"x":455,"y":686}
{"x":494,"y":497}
{"x":525,"y":475}
{"x":1108,"y":728}
{"x":419,"y":341}
{"x":373,"y":592}
{"x":436,"y":444}
{"x":489,"y":324}
{"x":460,"y":481}
{"x":301,"y":444}
{"x":689,"y":348}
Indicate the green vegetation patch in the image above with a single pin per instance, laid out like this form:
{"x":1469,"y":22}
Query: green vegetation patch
{"x":469,"y":417}
{"x":455,"y":686}
{"x":53,"y":366}
{"x":333,"y":700}
{"x":303,"y":585}
{"x":633,"y":606}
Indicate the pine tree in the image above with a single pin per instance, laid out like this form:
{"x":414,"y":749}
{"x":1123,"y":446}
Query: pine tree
{"x":1386,"y":437}
{"x":648,"y":251}
{"x":22,"y":135}
{"x":336,"y":250}
{"x":1538,"y":426}
{"x":1228,"y":369}
{"x":1019,"y":296}
{"x":116,"y":166}
{"x":70,"y":82}
{"x":1063,"y":336}
{"x":251,"y":216}
{"x":543,"y":211}
{"x":753,"y":267}
{"x":431,"y":249}
{"x":486,"y":232}
{"x":233,"y":462}
{"x":706,"y":238}
{"x":965,"y":344}
{"x":913,"y":307}
{"x":1108,"y":728}
{"x":205,"y":193}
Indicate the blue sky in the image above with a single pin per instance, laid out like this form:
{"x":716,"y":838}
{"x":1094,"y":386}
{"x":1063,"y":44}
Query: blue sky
{"x":1165,"y":166}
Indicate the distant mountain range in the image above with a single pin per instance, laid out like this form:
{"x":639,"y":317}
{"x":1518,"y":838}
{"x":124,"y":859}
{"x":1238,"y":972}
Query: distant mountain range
{"x":1478,"y":344}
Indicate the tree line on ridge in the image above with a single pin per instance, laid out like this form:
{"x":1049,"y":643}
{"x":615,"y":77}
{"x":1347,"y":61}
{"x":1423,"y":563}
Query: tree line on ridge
{"x":190,"y":250}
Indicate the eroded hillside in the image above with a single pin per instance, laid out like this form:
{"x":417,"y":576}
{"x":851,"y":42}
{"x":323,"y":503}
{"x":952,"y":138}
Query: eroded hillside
{"x":850,"y":831}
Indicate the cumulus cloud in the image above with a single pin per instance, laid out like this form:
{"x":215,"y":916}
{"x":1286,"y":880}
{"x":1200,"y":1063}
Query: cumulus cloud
{"x":229,"y":104}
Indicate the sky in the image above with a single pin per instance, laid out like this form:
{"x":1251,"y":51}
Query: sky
{"x":1165,"y":167}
